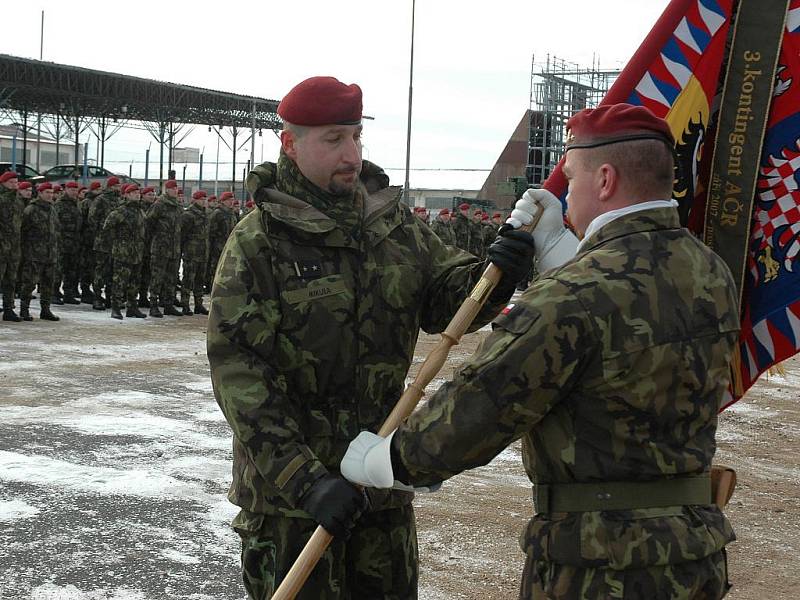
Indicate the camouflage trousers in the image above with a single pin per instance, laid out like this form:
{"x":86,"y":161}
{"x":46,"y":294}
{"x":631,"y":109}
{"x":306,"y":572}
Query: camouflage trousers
{"x":705,"y":579}
{"x":163,"y":277}
{"x":145,"y":276}
{"x":192,"y":282}
{"x":87,"y":269}
{"x":379,"y":561}
{"x":213,"y":259}
{"x":8,"y":279}
{"x":102,"y":272}
{"x":125,"y":283}
{"x":68,"y":271}
{"x":37,"y":274}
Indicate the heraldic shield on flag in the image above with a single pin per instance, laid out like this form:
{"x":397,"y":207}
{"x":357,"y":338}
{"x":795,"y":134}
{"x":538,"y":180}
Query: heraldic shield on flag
{"x":678,"y":72}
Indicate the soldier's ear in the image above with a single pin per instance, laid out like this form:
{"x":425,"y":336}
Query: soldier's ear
{"x":288,"y":144}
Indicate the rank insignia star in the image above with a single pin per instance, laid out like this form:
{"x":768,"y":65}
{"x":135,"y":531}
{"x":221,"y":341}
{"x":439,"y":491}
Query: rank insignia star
{"x":308,"y":269}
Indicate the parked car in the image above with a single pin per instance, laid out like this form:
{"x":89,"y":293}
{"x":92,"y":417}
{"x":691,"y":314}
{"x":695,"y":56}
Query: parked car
{"x":64,"y":173}
{"x":24,"y":171}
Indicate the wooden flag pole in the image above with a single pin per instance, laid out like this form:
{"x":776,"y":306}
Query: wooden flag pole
{"x":320,"y":539}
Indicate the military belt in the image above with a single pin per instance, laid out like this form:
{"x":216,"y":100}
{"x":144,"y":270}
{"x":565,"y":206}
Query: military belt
{"x":621,"y":495}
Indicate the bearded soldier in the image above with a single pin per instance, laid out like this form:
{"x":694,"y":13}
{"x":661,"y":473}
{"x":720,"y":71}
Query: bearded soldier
{"x":123,"y":234}
{"x":164,"y":226}
{"x":194,"y":252}
{"x":12,"y":205}
{"x":70,"y":223}
{"x":615,"y":399}
{"x":316,"y":307}
{"x":39,"y":235}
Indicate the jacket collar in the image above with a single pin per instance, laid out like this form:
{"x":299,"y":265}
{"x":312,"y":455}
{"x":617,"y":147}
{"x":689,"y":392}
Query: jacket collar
{"x":639,"y":222}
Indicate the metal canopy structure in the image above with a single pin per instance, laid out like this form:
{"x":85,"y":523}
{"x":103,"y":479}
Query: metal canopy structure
{"x":34,"y":86}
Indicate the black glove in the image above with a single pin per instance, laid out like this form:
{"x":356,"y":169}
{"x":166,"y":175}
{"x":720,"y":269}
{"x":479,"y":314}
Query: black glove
{"x":335,"y":503}
{"x":512,"y":251}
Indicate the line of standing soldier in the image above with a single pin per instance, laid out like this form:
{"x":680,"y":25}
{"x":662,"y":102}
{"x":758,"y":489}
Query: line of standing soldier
{"x":120,"y":245}
{"x":473,"y":233}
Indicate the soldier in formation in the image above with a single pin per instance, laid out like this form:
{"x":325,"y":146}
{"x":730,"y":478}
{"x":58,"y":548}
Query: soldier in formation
{"x":221,"y":222}
{"x":476,"y":234}
{"x":441,"y":227}
{"x":87,"y":262}
{"x":145,"y":275}
{"x":123,"y":234}
{"x":164,"y":226}
{"x":194,"y":252}
{"x":461,"y":227}
{"x":616,"y":404}
{"x":39,"y":241}
{"x":303,"y":303}
{"x":70,"y":223}
{"x":98,"y":212}
{"x":12,"y":205}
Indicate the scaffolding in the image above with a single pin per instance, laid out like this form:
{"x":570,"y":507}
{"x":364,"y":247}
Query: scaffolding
{"x":559,"y":89}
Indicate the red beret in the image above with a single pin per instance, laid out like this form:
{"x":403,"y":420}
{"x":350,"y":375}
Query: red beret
{"x":444,"y":211}
{"x":497,"y":215}
{"x":71,"y":184}
{"x":149,"y":190}
{"x":199,"y":194}
{"x":56,"y":187}
{"x":485,"y":217}
{"x":24,"y":185}
{"x":212,"y":197}
{"x":612,"y":123}
{"x":95,"y":185}
{"x":171,"y":183}
{"x":322,"y":101}
{"x":250,"y":203}
{"x":44,"y":186}
{"x":463,"y":206}
{"x":131,"y":187}
{"x":8,"y":175}
{"x":113,"y":180}
{"x":226,"y":196}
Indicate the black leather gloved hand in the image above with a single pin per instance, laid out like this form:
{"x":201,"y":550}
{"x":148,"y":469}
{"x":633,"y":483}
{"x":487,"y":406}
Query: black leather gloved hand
{"x":512,"y":251}
{"x":335,"y":503}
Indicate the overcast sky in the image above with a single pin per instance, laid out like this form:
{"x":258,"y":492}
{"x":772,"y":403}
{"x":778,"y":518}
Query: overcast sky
{"x":472,"y":62}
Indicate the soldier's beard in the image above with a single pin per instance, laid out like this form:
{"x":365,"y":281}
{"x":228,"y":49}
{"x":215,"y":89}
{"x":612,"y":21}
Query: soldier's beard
{"x":343,"y":188}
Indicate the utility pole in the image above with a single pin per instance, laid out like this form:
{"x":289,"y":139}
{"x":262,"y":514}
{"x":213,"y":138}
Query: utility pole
{"x":410,"y":94}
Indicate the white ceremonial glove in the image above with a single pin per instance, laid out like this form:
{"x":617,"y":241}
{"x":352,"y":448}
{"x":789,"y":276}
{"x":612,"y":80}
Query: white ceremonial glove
{"x":555,"y":244}
{"x":368,"y":462}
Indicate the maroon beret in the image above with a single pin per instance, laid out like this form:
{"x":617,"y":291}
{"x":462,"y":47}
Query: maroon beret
{"x":71,"y":184}
{"x":614,"y":123}
{"x":497,"y":215}
{"x":226,"y":196}
{"x":199,"y":194}
{"x":444,"y":211}
{"x":131,"y":187}
{"x":250,"y":203}
{"x":113,"y":180}
{"x":8,"y":175}
{"x":171,"y":183}
{"x":149,"y":190}
{"x":463,"y":206}
{"x":24,"y":185}
{"x":322,"y":101}
{"x":56,"y":187}
{"x":44,"y":186}
{"x":95,"y":185}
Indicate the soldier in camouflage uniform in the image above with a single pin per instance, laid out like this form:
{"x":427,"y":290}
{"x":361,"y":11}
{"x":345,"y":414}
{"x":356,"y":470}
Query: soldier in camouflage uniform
{"x":145,"y":276}
{"x":249,"y":206}
{"x":123,"y":234}
{"x":194,"y":251}
{"x":70,"y":223}
{"x":98,"y":212}
{"x":220,"y":224}
{"x":87,"y":243}
{"x":164,"y":225}
{"x":615,"y":396}
{"x":39,"y":236}
{"x":441,"y":227}
{"x":315,"y":311}
{"x":461,"y":228}
{"x":12,"y":204}
{"x":488,"y":231}
{"x":476,"y":234}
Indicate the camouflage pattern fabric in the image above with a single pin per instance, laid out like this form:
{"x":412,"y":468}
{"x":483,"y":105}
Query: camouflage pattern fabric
{"x":39,"y":236}
{"x":611,"y":368}
{"x":378,"y":561}
{"x":307,"y":293}
{"x":123,"y":233}
{"x":489,"y":233}
{"x":11,"y":208}
{"x":194,"y":245}
{"x":704,"y":579}
{"x":102,"y":272}
{"x":145,"y":272}
{"x":461,"y":231}
{"x":70,"y":224}
{"x":125,"y":283}
{"x":99,"y":210}
{"x":444,"y":231}
{"x":87,"y":259}
{"x":476,"y":239}
{"x":164,"y":228}
{"x":220,"y":225}
{"x":163,"y":279}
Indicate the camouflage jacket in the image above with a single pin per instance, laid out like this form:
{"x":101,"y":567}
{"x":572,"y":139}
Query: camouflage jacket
{"x":123,"y":233}
{"x":164,"y":227}
{"x":87,"y":232}
{"x":611,"y":368}
{"x":194,"y":234}
{"x":476,"y":239}
{"x":315,"y":312}
{"x":489,"y":232}
{"x":70,"y":222}
{"x":98,"y":212}
{"x":12,"y":206}
{"x":220,"y":224}
{"x":40,"y":232}
{"x":461,"y":232}
{"x":444,"y":231}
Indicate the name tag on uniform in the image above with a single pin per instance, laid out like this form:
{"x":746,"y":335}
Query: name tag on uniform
{"x":319,"y":288}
